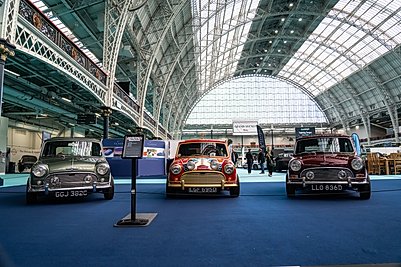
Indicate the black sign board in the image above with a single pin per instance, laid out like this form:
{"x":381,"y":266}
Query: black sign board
{"x":86,"y":119}
{"x":304,"y":131}
{"x":133,"y":146}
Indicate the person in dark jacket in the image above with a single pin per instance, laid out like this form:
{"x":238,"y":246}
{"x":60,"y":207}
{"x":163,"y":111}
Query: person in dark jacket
{"x":270,"y":162}
{"x":249,"y":160}
{"x":261,"y":160}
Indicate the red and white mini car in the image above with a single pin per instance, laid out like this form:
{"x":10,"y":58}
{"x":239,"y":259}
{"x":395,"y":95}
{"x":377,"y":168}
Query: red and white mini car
{"x":202,"y":166}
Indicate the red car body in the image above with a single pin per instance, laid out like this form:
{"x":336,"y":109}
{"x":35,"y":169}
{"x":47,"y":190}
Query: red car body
{"x":327,"y":163}
{"x":202,"y":166}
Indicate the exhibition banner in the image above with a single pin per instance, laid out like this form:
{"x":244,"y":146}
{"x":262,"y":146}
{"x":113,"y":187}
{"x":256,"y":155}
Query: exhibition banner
{"x":244,"y":127}
{"x":261,"y":138}
{"x":304,"y":131}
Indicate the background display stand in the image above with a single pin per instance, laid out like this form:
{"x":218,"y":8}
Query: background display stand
{"x":133,"y":149}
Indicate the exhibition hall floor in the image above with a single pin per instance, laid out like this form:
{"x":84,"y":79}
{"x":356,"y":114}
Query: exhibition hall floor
{"x":262,"y":227}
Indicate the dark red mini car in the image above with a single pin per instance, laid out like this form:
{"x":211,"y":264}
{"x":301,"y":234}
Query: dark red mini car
{"x":327,"y":163}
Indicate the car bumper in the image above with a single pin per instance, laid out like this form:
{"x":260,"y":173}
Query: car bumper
{"x":46,"y":189}
{"x":350,"y":183}
{"x":184,"y":186}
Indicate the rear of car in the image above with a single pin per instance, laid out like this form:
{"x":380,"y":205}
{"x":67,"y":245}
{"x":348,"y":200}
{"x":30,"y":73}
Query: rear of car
{"x":324,"y":164}
{"x":70,"y":167}
{"x":202,"y":167}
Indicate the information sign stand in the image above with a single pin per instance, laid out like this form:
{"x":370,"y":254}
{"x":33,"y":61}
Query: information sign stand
{"x":133,"y":149}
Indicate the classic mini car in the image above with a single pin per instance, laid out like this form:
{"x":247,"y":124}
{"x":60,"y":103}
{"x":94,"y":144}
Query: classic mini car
{"x":202,"y":166}
{"x":26,"y":162}
{"x":70,"y":167}
{"x":282,"y":161}
{"x":327,"y":163}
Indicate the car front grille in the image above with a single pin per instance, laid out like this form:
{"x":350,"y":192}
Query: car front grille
{"x":70,"y":180}
{"x":328,"y":174}
{"x":202,"y":178}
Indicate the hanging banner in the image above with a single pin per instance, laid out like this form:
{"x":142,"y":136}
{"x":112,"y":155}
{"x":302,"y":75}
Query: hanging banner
{"x":261,"y":138}
{"x":244,"y":127}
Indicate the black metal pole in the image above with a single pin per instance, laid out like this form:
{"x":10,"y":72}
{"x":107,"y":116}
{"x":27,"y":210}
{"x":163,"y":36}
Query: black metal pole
{"x":106,"y":127}
{"x":272,"y":142}
{"x":133,"y":190}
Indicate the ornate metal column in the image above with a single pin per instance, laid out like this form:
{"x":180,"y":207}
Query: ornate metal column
{"x":6,"y":49}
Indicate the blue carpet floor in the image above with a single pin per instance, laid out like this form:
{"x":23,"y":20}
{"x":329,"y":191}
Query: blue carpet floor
{"x":260,"y":228}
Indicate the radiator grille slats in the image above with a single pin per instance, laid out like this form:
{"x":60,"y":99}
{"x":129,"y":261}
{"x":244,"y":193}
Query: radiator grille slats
{"x":327,"y":174}
{"x":70,"y":180}
{"x":202,"y":178}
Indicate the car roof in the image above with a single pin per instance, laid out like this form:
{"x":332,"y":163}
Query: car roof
{"x":322,"y":135}
{"x":203,"y":141}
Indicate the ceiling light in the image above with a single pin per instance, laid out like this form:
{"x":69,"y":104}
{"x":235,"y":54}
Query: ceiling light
{"x":116,"y":123}
{"x":12,"y":72}
{"x":265,"y":50}
{"x":270,"y":41}
{"x":254,"y":70}
{"x":66,"y":99}
{"x":300,"y":19}
{"x":291,"y":4}
{"x":129,"y":130}
{"x":279,"y":50}
{"x":257,"y":64}
{"x":261,"y":58}
{"x":285,"y":42}
{"x":276,"y":31}
{"x":270,"y":65}
{"x":282,"y":19}
{"x":292,"y":31}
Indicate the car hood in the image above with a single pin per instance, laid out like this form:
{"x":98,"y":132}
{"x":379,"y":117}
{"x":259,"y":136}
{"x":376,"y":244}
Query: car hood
{"x":327,"y":159}
{"x":201,"y":163}
{"x":71,"y":164}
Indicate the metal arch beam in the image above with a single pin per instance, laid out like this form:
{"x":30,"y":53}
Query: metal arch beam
{"x":147,"y":68}
{"x":116,"y":18}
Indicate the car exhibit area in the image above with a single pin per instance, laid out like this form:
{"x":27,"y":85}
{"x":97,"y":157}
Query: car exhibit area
{"x":260,"y":228}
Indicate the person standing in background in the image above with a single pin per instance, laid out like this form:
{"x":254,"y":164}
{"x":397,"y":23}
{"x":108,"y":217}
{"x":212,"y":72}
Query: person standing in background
{"x":269,"y":160}
{"x":249,"y":160}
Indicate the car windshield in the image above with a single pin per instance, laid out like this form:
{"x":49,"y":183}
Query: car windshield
{"x":324,"y":144}
{"x":199,"y":149}
{"x":28,"y":158}
{"x":71,"y":148}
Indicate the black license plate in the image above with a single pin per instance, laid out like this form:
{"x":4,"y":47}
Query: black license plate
{"x":202,"y":190}
{"x":71,"y":193}
{"x":327,"y":187}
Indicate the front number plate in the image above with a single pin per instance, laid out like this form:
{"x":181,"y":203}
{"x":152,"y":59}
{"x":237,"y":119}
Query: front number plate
{"x":202,"y":190}
{"x":72,"y":193}
{"x":326,"y":187}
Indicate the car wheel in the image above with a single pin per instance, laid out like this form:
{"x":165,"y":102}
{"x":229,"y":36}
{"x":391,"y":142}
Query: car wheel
{"x":109,"y":193}
{"x":365,"y":192}
{"x":234,"y":191}
{"x":170,"y":192}
{"x":31,"y":198}
{"x":290,"y":189}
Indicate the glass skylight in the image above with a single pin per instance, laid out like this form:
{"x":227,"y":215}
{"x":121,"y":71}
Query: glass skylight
{"x":256,"y":98}
{"x":221,"y":30}
{"x":352,"y":35}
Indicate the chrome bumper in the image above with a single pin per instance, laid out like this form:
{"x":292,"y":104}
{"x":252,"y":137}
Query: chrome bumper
{"x":184,"y":185}
{"x":350,"y":182}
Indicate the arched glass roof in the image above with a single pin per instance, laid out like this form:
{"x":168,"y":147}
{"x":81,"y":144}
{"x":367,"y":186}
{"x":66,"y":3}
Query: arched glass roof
{"x":256,"y":98}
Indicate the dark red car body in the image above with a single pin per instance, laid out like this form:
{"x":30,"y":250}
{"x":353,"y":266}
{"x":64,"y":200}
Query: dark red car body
{"x":327,"y":163}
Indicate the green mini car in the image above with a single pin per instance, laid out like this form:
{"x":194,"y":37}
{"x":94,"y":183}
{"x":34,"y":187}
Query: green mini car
{"x":70,"y":168}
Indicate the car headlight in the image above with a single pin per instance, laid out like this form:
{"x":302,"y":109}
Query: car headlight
{"x":214,"y":164}
{"x":295,"y":165}
{"x":102,"y":168}
{"x":357,"y":164}
{"x":229,"y":168}
{"x":190,"y":165}
{"x":175,"y":169}
{"x":40,"y":170}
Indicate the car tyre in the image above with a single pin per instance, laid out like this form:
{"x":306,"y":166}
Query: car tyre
{"x":109,"y":193}
{"x":234,"y":191}
{"x":365,"y":192}
{"x":31,"y":198}
{"x":169,"y":191}
{"x":289,"y":189}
